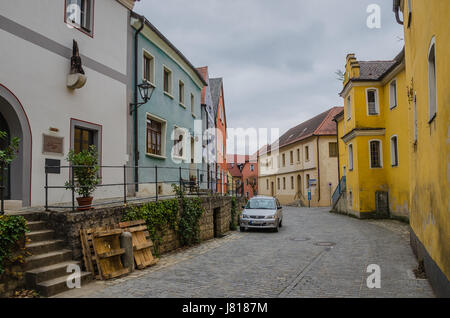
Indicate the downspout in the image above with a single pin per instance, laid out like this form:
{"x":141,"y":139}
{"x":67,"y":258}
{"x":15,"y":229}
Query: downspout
{"x":318,"y":168}
{"x":397,"y":11}
{"x":136,"y":146}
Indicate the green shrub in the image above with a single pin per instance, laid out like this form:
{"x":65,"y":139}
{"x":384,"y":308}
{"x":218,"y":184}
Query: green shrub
{"x":233,"y":225}
{"x":86,"y":174}
{"x":158,"y":216}
{"x":12,"y":238}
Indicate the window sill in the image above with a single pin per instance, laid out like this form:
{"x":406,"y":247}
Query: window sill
{"x":168,"y":95}
{"x":392,"y":107}
{"x":394,"y":166}
{"x":156,"y":156}
{"x":181,"y":105}
{"x":149,"y":82}
{"x":193,"y":115}
{"x":373,"y":115}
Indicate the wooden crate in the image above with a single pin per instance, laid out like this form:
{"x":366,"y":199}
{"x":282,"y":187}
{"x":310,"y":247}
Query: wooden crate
{"x":141,"y":243}
{"x":102,"y":251}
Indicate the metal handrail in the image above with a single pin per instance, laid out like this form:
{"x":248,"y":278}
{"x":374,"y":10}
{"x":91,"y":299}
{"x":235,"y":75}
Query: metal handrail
{"x":180,"y":181}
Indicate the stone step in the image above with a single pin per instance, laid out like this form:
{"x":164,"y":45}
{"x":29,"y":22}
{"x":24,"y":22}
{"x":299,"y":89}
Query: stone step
{"x":36,"y":225}
{"x":47,"y":259}
{"x":43,"y":247}
{"x":58,"y":285}
{"x":38,"y":236}
{"x":29,"y":216}
{"x":41,"y":274}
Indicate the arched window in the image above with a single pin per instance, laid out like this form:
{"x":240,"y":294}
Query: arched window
{"x":432,"y":80}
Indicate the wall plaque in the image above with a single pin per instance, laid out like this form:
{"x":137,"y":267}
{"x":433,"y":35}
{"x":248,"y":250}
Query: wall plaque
{"x":53,"y":144}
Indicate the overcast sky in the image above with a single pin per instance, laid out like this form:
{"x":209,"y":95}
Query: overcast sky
{"x":278,"y":58}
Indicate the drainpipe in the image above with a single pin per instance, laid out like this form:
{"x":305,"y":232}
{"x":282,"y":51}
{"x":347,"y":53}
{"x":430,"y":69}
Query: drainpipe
{"x":397,"y":11}
{"x":136,"y":147}
{"x":318,"y":168}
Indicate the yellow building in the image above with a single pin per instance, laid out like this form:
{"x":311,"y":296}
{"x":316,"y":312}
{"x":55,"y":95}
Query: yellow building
{"x":427,"y":53}
{"x":373,"y":141}
{"x":303,"y":160}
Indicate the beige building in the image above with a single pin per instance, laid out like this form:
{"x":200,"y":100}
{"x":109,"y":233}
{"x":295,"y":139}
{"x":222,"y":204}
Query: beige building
{"x":303,"y":160}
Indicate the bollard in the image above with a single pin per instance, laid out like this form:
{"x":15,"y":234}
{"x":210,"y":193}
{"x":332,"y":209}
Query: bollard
{"x":127,"y":243}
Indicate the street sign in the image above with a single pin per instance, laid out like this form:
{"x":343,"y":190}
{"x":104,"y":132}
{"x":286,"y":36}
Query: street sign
{"x":312,"y":182}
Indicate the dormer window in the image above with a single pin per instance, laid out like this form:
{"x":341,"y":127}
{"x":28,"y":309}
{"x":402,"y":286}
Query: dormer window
{"x":80,"y":14}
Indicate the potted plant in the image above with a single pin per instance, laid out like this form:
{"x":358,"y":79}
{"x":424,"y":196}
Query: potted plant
{"x":85,"y":173}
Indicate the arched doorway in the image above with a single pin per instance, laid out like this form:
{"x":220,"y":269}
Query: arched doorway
{"x":14,"y":119}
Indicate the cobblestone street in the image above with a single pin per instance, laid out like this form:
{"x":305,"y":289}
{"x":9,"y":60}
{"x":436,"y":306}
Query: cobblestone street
{"x":315,"y":254}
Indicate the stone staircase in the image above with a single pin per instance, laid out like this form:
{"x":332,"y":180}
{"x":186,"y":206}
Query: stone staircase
{"x":46,"y":267}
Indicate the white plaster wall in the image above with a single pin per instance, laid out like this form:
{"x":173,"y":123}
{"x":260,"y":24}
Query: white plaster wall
{"x":38,"y":78}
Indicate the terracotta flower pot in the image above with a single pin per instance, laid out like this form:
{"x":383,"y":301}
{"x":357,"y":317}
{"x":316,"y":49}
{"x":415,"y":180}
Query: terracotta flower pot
{"x":84,"y":203}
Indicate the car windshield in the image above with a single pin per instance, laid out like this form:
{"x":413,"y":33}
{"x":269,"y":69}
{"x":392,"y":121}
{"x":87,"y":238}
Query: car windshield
{"x":268,"y":204}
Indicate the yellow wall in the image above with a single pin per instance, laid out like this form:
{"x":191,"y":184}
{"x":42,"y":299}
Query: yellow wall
{"x":364,"y":181}
{"x":430,"y":158}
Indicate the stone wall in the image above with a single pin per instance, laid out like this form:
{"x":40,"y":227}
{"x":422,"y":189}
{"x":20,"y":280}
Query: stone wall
{"x":67,"y":225}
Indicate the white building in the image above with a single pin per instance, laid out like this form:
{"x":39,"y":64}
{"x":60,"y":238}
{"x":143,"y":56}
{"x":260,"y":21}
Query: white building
{"x":36,"y":104}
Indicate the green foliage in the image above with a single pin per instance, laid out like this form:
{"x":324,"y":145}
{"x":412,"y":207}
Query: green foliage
{"x":179,"y":192}
{"x":85,"y":171}
{"x":159,"y":216}
{"x":8,"y":154}
{"x":233,"y":225}
{"x":188,"y":223}
{"x":12,"y":238}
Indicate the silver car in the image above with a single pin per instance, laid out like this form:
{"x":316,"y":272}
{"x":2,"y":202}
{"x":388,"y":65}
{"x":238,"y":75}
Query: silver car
{"x":262,"y":212}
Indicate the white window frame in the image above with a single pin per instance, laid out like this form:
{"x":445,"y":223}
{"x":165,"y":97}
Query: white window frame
{"x":381,"y":154}
{"x":349,"y":107}
{"x":432,"y":91}
{"x":77,"y":24}
{"x":377,"y":101}
{"x":393,"y":154}
{"x":163,"y":135}
{"x":350,"y":157}
{"x":170,"y":92}
{"x":185,"y":144}
{"x":393,"y":94}
{"x":147,"y":54}
{"x":181,"y":96}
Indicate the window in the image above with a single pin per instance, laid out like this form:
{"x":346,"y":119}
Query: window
{"x":333,"y":149}
{"x":292,"y":183}
{"x":350,"y":157}
{"x":349,"y":107}
{"x":246,"y":181}
{"x":432,"y":81}
{"x":252,"y":167}
{"x":181,"y":92}
{"x":278,"y":183}
{"x":394,"y":151}
{"x":307,"y":181}
{"x":267,"y":184}
{"x":298,"y":155}
{"x":375,"y":154}
{"x":372,"y":102}
{"x":415,"y":118}
{"x":155,"y":136}
{"x":167,"y":74}
{"x":307,"y":153}
{"x":284,"y":160}
{"x":149,"y":68}
{"x":192,"y":104}
{"x":179,"y":142}
{"x":83,"y":139}
{"x":393,"y":94}
{"x":79,"y":13}
{"x":284,"y":183}
{"x":292,"y":157}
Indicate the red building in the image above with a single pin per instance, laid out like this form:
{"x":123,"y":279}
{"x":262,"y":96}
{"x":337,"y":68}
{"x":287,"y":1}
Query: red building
{"x":244,"y":170}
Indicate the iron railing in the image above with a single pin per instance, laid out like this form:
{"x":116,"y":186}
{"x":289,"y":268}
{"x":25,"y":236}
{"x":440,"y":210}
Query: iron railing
{"x":194,"y":182}
{"x":341,"y":188}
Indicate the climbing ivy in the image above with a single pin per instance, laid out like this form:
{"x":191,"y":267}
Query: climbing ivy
{"x":159,"y":216}
{"x":12,"y":238}
{"x":188,"y":223}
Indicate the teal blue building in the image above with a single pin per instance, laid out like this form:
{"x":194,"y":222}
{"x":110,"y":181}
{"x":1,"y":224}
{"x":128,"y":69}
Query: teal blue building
{"x":169,"y":126}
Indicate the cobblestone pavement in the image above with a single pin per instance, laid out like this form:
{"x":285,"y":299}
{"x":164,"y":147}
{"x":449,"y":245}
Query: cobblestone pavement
{"x":295,"y":262}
